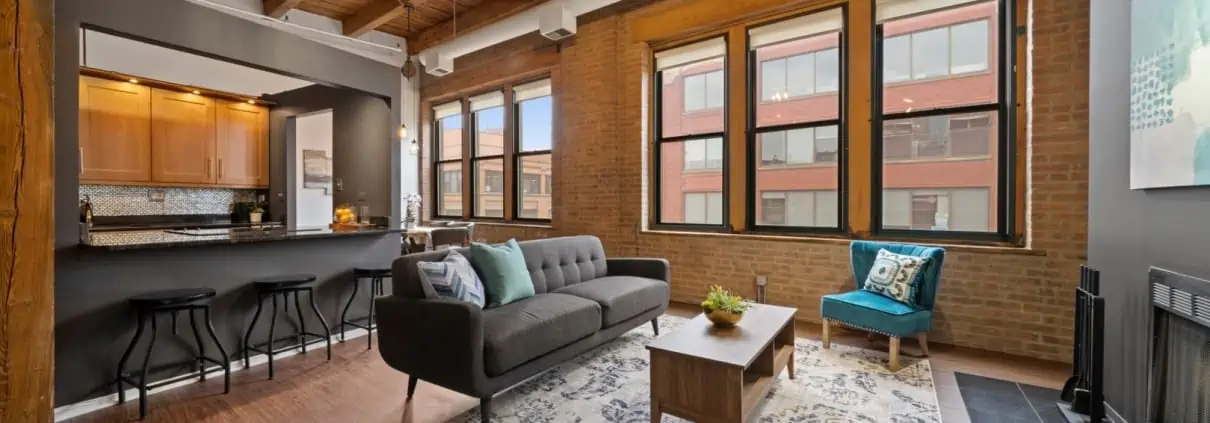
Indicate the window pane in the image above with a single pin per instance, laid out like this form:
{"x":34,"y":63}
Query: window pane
{"x":800,"y":146}
{"x":897,"y":59}
{"x":449,"y":189}
{"x":811,"y":91}
{"x":772,"y":148}
{"x":489,"y":188}
{"x":691,"y":98}
{"x":929,"y":209}
{"x":800,"y":76}
{"x":826,"y":144}
{"x":676,"y":182}
{"x":969,"y":47}
{"x":534,"y":197}
{"x":489,"y":132}
{"x":799,"y":208}
{"x":535,"y":121}
{"x":971,"y":135}
{"x":450,"y":138}
{"x":827,"y":70}
{"x":714,"y":90}
{"x":772,"y":79}
{"x":714,"y":153}
{"x":940,"y":137}
{"x":930,"y":53}
{"x":714,"y":208}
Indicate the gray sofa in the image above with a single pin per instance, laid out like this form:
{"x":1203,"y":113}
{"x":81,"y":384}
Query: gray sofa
{"x":582,"y":300}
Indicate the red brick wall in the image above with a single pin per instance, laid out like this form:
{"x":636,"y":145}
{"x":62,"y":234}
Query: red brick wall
{"x":1010,"y":300}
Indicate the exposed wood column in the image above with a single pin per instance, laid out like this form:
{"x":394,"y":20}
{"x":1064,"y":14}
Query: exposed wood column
{"x":371,"y":17}
{"x":859,"y":84}
{"x":737,"y":124}
{"x":26,"y":218}
{"x":278,"y":8}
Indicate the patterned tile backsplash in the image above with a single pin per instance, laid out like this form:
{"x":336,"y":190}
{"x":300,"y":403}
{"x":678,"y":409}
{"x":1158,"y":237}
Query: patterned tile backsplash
{"x":120,"y":200}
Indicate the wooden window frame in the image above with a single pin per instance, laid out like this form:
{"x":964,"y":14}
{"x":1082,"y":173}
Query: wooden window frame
{"x":510,"y":157}
{"x":859,"y":217}
{"x":519,"y":154}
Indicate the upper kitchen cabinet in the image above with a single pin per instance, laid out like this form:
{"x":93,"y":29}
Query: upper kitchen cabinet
{"x":242,"y":144}
{"x":182,"y":138}
{"x":115,"y":131}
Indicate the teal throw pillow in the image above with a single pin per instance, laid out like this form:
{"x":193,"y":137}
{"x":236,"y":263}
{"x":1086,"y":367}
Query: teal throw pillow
{"x":453,"y":278}
{"x":502,"y":269}
{"x":895,"y":276}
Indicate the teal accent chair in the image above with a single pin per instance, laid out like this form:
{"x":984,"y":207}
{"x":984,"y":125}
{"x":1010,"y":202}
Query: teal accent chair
{"x":874,"y":312}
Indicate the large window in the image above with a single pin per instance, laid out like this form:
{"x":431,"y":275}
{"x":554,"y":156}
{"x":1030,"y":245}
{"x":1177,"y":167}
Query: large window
{"x":937,"y":131}
{"x":506,"y":153}
{"x":447,"y":146}
{"x":795,"y":167}
{"x":534,"y":108}
{"x":691,"y":132}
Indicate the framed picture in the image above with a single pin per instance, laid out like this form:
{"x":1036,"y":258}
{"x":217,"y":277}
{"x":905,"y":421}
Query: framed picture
{"x":317,"y":170}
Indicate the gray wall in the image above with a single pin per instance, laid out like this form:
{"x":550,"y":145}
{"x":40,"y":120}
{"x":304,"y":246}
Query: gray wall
{"x":1131,"y":230}
{"x":361,"y":133}
{"x":199,"y":30}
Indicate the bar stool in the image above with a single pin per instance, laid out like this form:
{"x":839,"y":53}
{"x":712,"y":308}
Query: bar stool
{"x":148,"y":306}
{"x":376,"y":274}
{"x":284,"y":286}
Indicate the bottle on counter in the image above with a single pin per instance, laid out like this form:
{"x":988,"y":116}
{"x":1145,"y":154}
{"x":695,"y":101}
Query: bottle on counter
{"x":86,"y":211}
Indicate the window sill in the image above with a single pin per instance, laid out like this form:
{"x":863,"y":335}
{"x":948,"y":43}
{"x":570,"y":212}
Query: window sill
{"x":844,"y":240}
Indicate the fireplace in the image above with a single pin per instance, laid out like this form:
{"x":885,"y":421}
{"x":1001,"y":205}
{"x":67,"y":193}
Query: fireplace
{"x":1180,"y":365}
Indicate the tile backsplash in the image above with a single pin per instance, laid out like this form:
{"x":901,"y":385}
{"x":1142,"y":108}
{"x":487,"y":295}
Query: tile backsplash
{"x":121,"y":200}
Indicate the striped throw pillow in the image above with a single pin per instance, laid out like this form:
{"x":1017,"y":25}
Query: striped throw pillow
{"x":453,"y":278}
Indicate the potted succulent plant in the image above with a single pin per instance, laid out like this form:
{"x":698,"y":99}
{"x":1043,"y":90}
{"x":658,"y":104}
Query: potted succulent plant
{"x":723,"y":308}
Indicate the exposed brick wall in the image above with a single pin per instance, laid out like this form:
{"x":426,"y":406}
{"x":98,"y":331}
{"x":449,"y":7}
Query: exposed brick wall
{"x":1011,"y":301}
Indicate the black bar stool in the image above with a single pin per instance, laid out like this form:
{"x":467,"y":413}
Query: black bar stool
{"x":284,"y":286}
{"x":375,"y":274}
{"x":148,"y":306}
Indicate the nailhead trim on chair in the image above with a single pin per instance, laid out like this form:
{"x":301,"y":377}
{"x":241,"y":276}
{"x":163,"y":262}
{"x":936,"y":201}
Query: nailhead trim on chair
{"x":864,"y":328}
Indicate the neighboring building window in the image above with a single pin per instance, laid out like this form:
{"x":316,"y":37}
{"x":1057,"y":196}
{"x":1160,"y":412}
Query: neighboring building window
{"x":796,"y":167}
{"x":937,"y":52}
{"x":690,"y":152}
{"x":704,"y":208}
{"x":534,"y":108}
{"x":526,"y":138}
{"x":704,"y":91}
{"x":926,"y":125}
{"x":800,"y":75}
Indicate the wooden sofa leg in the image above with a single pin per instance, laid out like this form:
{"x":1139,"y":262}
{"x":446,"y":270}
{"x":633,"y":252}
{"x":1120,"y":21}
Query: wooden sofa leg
{"x":894,"y":354}
{"x":923,"y":337}
{"x":485,"y":410}
{"x":655,"y":326}
{"x":412,"y":385}
{"x":827,"y":334}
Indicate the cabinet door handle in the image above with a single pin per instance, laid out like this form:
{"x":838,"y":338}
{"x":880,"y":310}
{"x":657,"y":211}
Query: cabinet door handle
{"x":220,"y":168}
{"x":208,"y":167}
{"x":81,"y":170}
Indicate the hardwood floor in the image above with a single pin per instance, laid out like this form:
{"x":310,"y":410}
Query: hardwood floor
{"x":357,"y":386}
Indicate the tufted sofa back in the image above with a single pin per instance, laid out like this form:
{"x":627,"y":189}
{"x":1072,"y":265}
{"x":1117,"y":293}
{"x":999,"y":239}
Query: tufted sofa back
{"x":553,"y":263}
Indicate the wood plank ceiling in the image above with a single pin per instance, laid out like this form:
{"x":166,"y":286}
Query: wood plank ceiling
{"x":361,"y":16}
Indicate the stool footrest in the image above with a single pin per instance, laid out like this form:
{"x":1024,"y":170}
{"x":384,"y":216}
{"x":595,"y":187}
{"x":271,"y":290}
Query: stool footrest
{"x":128,"y":378}
{"x":257,"y":347}
{"x":359,"y":326}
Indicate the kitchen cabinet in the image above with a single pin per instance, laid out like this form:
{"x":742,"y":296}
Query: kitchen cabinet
{"x":115,"y":131}
{"x":242,"y":144}
{"x":182,"y":138}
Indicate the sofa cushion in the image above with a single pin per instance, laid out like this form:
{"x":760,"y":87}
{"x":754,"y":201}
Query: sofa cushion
{"x":521,"y":331}
{"x":557,"y":262}
{"x":876,"y":312}
{"x":621,"y":297}
{"x":453,"y":277}
{"x":502,"y":269}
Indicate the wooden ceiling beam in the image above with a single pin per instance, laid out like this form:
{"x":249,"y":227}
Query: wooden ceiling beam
{"x":371,"y":17}
{"x":477,"y":17}
{"x":278,"y":8}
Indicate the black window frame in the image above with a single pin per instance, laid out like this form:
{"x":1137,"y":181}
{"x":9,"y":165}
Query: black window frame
{"x":659,"y":139}
{"x":438,"y":162}
{"x":472,"y":117}
{"x":753,"y":135}
{"x":1006,"y":122}
{"x":519,"y":154}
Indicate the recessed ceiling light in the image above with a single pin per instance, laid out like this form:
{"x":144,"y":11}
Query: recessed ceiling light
{"x":197,"y":92}
{"x":250,"y":101}
{"x":133,"y":81}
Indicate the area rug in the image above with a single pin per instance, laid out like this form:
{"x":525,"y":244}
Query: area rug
{"x":610,"y":384}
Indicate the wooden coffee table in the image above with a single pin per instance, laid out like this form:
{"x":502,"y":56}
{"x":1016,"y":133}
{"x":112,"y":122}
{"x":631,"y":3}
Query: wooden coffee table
{"x":708,"y":374}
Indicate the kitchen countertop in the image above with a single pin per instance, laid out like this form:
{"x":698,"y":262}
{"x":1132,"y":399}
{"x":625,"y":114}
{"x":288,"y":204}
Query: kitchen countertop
{"x":147,"y":239}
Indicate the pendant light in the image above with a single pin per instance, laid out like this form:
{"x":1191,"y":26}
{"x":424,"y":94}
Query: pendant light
{"x":409,"y":66}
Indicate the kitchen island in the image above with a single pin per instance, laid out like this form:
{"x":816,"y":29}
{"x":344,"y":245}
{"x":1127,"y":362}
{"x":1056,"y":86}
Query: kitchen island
{"x":94,"y":278}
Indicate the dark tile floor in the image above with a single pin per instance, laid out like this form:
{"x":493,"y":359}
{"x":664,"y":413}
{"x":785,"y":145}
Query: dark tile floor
{"x":1000,"y":401}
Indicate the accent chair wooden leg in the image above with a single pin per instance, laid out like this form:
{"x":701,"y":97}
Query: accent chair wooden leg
{"x":485,"y":410}
{"x":827,"y":334}
{"x":894,"y":354}
{"x":923,"y":337}
{"x":412,"y":385}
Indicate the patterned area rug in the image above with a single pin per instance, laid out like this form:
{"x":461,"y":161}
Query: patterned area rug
{"x":610,"y":384}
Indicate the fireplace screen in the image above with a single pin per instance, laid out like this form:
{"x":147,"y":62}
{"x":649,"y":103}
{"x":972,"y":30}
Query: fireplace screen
{"x":1180,"y":373}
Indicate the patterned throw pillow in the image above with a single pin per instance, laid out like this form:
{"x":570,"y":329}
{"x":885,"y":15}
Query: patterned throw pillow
{"x":453,"y":278}
{"x":895,"y":276}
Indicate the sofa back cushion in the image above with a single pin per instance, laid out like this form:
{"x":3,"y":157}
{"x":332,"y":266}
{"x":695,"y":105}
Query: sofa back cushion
{"x":554,"y":263}
{"x":503,"y":271}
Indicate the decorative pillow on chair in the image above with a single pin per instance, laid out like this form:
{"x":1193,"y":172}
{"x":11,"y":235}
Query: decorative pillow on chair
{"x":453,"y":277}
{"x":502,"y":267}
{"x":895,"y":276}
